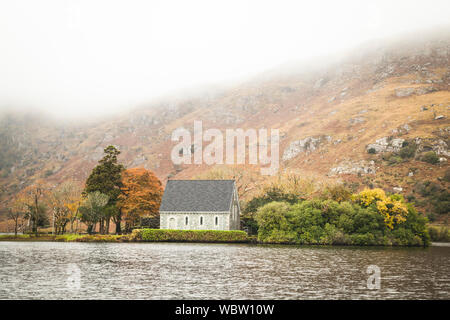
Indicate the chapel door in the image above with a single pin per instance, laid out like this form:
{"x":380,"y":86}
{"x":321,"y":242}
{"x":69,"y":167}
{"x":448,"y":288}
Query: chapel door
{"x":172,"y":224}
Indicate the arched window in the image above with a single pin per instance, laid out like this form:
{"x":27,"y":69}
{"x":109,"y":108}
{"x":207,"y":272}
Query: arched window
{"x":216,"y":221}
{"x":201,"y":221}
{"x":186,"y":220}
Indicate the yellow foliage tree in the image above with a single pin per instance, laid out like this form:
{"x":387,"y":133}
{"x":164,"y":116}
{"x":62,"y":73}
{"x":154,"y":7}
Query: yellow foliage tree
{"x":369,"y":196}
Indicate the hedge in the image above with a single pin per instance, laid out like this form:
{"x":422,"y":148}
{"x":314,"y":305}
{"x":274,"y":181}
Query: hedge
{"x":162,"y":235}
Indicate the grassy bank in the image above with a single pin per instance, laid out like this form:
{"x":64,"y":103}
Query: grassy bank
{"x":142,"y":235}
{"x":158,"y":235}
{"x":66,"y":238}
{"x":437,"y":234}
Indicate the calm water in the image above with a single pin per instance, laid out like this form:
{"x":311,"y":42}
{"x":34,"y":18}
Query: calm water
{"x":51,"y":270}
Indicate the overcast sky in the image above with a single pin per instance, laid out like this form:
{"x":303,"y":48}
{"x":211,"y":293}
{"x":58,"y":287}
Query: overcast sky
{"x":73,"y":57}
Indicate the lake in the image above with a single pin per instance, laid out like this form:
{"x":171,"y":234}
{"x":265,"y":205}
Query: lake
{"x":53,"y":270}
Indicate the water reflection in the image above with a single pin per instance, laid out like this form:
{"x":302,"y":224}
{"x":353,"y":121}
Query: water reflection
{"x":39,"y":270}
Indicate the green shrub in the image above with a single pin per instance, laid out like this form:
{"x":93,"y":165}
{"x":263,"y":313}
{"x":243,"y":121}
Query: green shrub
{"x":430,"y":157}
{"x":333,"y":235}
{"x":439,"y":234}
{"x":371,"y":151}
{"x":271,"y":218}
{"x":162,"y":235}
{"x":270,"y":195}
{"x":337,"y":192}
{"x":435,"y":195}
{"x":408,"y":150}
{"x":392,"y":158}
{"x":363,"y":239}
{"x":101,"y":238}
{"x":48,"y":173}
{"x":329,"y":222}
{"x":431,"y":216}
{"x":447,"y":175}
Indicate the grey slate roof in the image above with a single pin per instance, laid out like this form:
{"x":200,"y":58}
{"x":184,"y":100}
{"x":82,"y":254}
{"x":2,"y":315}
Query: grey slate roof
{"x":197,"y":195}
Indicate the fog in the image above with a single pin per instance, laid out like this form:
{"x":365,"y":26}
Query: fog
{"x":93,"y":57}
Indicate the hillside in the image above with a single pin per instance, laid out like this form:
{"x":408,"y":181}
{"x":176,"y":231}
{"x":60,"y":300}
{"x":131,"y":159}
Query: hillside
{"x":370,"y":119}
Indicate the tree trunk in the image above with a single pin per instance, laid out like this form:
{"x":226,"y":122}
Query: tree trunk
{"x":107,"y":225}
{"x":118,"y":222}
{"x":35,"y":222}
{"x":34,"y":227}
{"x":15,"y":228}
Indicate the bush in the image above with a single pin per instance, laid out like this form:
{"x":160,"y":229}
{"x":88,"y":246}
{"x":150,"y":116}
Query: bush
{"x":372,"y":151}
{"x":392,"y":158}
{"x":439,"y":234}
{"x":435,"y":195}
{"x":430,"y":157}
{"x":271,"y":194}
{"x":363,"y":239}
{"x":431,"y":216}
{"x":100,"y":238}
{"x":337,"y":192}
{"x":272,"y":220}
{"x":162,"y":235}
{"x":347,"y":223}
{"x":48,"y":173}
{"x":447,"y":175}
{"x":408,"y":150}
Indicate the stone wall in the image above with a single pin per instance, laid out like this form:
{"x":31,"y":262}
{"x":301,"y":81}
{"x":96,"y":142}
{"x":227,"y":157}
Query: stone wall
{"x":179,"y":222}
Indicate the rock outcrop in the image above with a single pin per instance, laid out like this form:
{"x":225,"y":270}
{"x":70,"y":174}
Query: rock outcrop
{"x":306,"y":145}
{"x":386,"y":144}
{"x":354,"y":167}
{"x":406,"y":92}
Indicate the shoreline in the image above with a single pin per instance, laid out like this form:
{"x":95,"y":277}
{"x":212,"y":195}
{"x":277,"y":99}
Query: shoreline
{"x":128,"y":239}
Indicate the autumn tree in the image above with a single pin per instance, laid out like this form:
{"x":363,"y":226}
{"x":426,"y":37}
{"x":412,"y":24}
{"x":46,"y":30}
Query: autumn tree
{"x":59,"y":211}
{"x":141,"y":195}
{"x":16,"y":212}
{"x":106,"y":178}
{"x":61,"y":201}
{"x":72,"y":200}
{"x":33,"y":200}
{"x":73,"y":207}
{"x":91,"y":209}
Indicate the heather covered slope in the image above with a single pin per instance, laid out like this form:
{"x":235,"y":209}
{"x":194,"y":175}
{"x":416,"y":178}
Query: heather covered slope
{"x":378,"y":118}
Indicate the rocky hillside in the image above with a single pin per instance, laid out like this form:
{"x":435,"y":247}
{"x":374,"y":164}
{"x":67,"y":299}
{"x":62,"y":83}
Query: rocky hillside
{"x":378,"y":118}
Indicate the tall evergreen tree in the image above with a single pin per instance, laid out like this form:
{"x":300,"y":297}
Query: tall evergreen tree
{"x":106,"y":178}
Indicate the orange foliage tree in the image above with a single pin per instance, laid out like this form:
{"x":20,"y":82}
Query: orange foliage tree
{"x":141,"y":195}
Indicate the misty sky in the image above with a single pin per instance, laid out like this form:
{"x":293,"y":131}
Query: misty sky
{"x":74,"y":57}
